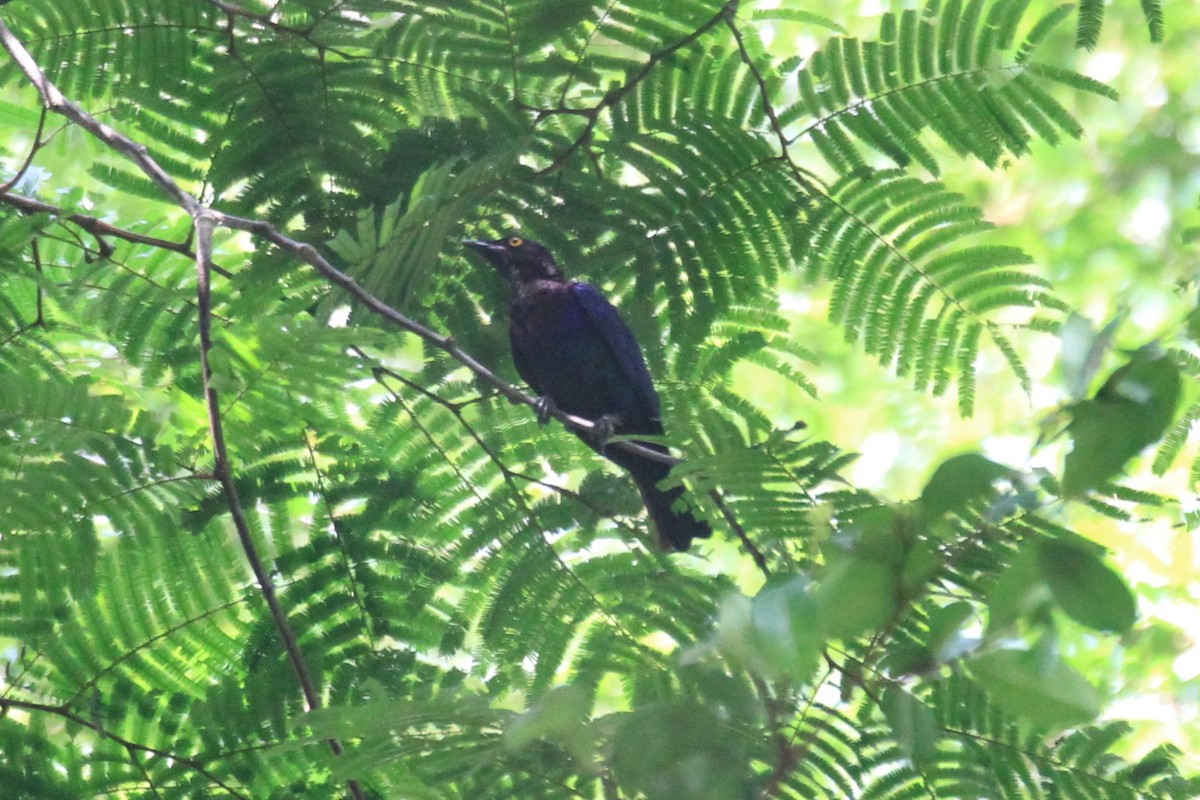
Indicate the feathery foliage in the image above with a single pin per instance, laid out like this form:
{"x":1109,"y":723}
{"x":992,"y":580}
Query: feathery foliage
{"x":473,"y":596}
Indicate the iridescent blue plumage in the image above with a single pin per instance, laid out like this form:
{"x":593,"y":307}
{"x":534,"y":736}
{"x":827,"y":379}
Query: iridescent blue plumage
{"x":572,"y":347}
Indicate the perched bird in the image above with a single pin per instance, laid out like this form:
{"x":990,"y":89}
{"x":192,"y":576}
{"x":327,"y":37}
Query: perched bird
{"x":572,"y":347}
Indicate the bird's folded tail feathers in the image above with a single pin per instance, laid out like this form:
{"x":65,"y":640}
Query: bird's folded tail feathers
{"x":674,"y":529}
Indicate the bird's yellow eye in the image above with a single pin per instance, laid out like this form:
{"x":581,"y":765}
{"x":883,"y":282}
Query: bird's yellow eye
{"x":516,"y":241}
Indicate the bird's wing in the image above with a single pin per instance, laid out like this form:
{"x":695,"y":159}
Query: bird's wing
{"x":605,"y":319}
{"x":524,"y":365}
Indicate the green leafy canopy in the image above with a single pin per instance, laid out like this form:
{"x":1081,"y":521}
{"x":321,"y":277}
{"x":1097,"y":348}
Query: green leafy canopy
{"x":330,"y":558}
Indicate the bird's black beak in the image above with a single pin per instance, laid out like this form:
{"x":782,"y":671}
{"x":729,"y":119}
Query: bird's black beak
{"x":494,"y":253}
{"x":488,"y":250}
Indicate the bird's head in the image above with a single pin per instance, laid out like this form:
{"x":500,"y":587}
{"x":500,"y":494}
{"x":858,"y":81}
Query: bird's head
{"x":520,"y":260}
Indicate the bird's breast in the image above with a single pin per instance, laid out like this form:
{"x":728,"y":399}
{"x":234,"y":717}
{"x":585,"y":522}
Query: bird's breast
{"x":562,"y":352}
{"x":542,"y":318}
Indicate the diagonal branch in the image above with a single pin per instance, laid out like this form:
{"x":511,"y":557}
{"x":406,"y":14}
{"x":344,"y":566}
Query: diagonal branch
{"x":304,"y":251}
{"x":798,"y":173}
{"x":615,"y":96}
{"x":130,"y":746}
{"x":205,"y":222}
{"x":99,"y":228}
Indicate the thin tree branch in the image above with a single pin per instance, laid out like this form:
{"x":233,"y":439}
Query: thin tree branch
{"x":37,"y":145}
{"x":222,"y":470}
{"x":617,"y":95}
{"x":64,"y":712}
{"x":100,"y":228}
{"x":768,"y":107}
{"x":304,"y":251}
{"x":759,"y":560}
{"x":135,"y":757}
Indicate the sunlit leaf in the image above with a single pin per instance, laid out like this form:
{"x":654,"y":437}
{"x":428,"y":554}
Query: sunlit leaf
{"x":1037,"y":687}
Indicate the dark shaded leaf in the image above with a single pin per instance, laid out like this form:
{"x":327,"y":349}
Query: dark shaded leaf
{"x":912,"y":724}
{"x":961,"y":480}
{"x":1132,"y":410}
{"x":1087,"y":589}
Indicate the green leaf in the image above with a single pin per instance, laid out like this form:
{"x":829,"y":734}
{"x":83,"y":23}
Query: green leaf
{"x":1038,"y":687}
{"x":856,"y":596}
{"x":912,"y":725}
{"x":1132,"y":410}
{"x":945,"y":640}
{"x":1083,"y":349}
{"x":786,"y":625}
{"x":678,"y":751}
{"x":796,"y":15}
{"x":1087,"y":589}
{"x":908,"y":659}
{"x":560,"y":717}
{"x":921,"y":565}
{"x":1193,"y":324}
{"x":959,"y":481}
{"x":777,"y":632}
{"x":1020,"y":592}
{"x":878,"y":535}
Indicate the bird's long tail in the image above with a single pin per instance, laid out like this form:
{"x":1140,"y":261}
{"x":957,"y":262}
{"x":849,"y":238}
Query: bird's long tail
{"x":675,"y":529}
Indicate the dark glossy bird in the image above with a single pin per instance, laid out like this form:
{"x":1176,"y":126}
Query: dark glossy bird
{"x":572,"y":347}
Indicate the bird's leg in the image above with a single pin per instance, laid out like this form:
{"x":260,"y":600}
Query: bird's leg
{"x":603,"y":429}
{"x":545,"y":408}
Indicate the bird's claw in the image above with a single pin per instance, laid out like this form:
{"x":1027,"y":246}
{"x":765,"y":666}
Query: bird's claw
{"x":603,"y":428}
{"x":544,"y":408}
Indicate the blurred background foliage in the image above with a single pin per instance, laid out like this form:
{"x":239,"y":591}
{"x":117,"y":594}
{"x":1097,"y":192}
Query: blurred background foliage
{"x":1106,"y":217}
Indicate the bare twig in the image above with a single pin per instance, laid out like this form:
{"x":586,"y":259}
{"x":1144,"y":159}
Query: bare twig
{"x":615,"y":96}
{"x":66,"y":713}
{"x":33,"y":148}
{"x":759,"y":560}
{"x":205,"y":222}
{"x":100,"y":228}
{"x":768,"y":107}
